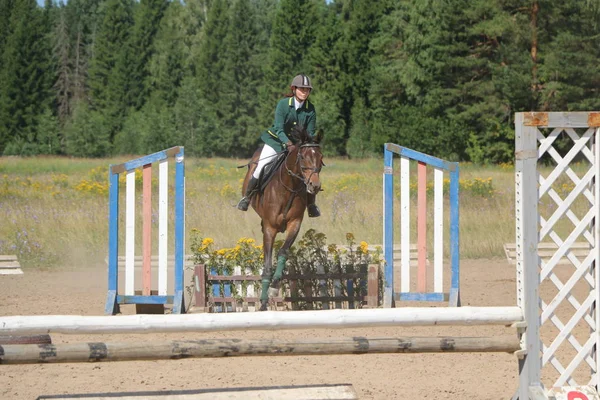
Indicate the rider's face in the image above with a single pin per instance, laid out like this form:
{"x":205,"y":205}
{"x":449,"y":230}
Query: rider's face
{"x":302,"y":93}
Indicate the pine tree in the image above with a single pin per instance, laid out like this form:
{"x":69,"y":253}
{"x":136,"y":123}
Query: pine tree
{"x":191,"y":119}
{"x":6,"y":8}
{"x":87,"y":134}
{"x":109,"y":42}
{"x":361,"y":21}
{"x":25,"y":79}
{"x":327,"y":59}
{"x":242,"y":75}
{"x":450,"y":72}
{"x":109,"y":80}
{"x":167,"y":65}
{"x":83,"y":19}
{"x":210,"y":80}
{"x":147,"y":22}
{"x":568,"y":73}
{"x":63,"y":85}
{"x":292,"y":34}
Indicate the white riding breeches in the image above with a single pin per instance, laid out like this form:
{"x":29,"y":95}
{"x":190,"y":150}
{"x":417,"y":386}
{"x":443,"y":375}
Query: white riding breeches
{"x":267,"y":155}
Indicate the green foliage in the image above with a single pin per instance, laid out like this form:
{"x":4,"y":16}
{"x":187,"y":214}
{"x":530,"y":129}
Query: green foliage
{"x":88,"y":134}
{"x":359,"y":143}
{"x":309,"y":255}
{"x":442,"y":77}
{"x":292,"y":34}
{"x":327,"y":59}
{"x":166,"y":67}
{"x":49,"y":135}
{"x":109,"y":74}
{"x":246,"y":254}
{"x":149,"y":130}
{"x":148,"y":16}
{"x":25,"y":76}
{"x":311,"y":251}
{"x":242,"y":74}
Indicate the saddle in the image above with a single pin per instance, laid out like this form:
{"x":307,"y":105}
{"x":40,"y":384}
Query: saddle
{"x":268,"y":172}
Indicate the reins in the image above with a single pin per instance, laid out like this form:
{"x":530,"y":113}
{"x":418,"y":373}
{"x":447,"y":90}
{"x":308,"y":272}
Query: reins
{"x":260,"y":159}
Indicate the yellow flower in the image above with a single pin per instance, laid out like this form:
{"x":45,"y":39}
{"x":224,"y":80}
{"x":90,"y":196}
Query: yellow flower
{"x":332,"y":248}
{"x":364,"y":247}
{"x":207,"y":241}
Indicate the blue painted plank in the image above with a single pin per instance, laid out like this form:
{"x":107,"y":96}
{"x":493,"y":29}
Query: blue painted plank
{"x":454,"y":238}
{"x":113,"y":241}
{"x":149,"y":159}
{"x":411,"y":296}
{"x":179,"y":230}
{"x":216,"y":291}
{"x":418,"y":156}
{"x":227,"y":293}
{"x":388,"y":227}
{"x":144,"y":299}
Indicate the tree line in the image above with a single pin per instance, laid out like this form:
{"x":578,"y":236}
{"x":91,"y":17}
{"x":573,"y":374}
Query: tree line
{"x":93,"y":78}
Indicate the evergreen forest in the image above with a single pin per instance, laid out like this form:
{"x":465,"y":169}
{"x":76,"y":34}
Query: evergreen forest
{"x":97,"y":78}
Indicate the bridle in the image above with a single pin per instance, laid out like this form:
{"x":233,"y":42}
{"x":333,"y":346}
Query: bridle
{"x":299,"y":161}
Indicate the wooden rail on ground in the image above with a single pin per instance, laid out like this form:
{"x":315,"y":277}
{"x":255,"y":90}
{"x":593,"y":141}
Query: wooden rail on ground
{"x":25,"y":339}
{"x":9,"y":265}
{"x":126,"y":351}
{"x":547,"y":250}
{"x":138,"y":261}
{"x":397,"y":254}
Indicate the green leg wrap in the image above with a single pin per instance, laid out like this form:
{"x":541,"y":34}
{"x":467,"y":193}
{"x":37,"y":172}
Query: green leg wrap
{"x":280,"y":265}
{"x":264,"y":293}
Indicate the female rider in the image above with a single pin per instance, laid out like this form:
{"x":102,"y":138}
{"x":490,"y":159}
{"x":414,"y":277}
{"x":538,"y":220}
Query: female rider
{"x":291,"y":110}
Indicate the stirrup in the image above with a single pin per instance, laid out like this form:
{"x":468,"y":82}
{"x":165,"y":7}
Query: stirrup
{"x":243,"y":204}
{"x":313,"y":211}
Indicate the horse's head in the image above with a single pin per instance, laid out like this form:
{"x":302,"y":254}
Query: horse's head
{"x":309,"y":158}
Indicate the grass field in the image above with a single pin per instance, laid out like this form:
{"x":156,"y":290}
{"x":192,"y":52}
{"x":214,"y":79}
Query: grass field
{"x":55,"y":209}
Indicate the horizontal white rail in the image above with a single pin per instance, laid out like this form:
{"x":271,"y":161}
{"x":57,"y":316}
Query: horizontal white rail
{"x":268,"y":320}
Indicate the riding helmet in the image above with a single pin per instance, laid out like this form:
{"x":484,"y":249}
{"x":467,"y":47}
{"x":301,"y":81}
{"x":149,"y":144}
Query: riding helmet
{"x":302,"y":81}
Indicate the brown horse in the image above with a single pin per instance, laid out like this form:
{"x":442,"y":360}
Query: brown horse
{"x":282,"y":204}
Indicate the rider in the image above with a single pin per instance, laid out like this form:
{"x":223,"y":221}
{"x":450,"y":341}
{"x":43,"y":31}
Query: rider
{"x":291,"y":110}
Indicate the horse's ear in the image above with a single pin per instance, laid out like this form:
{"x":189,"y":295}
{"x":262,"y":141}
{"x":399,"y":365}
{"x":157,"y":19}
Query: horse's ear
{"x":319,"y":136}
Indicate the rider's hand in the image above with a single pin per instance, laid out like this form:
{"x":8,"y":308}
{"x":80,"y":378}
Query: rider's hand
{"x":290,"y":146}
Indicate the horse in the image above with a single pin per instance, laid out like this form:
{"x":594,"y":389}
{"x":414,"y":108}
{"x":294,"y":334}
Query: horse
{"x":282,"y":202}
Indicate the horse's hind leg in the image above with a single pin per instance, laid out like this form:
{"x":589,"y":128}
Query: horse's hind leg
{"x":268,"y":239}
{"x":292,"y":233}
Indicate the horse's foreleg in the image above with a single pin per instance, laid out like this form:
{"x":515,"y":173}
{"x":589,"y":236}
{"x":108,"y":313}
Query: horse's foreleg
{"x":268,"y":240}
{"x":292,"y":233}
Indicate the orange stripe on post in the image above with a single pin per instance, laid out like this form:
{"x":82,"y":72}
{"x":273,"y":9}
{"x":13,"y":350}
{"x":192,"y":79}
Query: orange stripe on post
{"x":422,"y":227}
{"x":147,"y":230}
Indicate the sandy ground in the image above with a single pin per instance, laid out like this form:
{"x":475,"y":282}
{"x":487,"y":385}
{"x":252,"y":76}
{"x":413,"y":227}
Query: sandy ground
{"x":399,"y":376}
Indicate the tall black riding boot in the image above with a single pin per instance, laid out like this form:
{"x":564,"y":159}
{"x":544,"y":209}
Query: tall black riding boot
{"x":313,"y":210}
{"x":245,"y":201}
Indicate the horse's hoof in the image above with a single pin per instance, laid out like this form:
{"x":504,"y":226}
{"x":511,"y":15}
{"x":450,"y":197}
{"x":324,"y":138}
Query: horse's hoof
{"x":263,"y":306}
{"x":273,"y":292}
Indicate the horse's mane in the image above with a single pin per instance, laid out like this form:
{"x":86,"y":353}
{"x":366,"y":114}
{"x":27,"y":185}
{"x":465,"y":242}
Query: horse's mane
{"x":299,"y":135}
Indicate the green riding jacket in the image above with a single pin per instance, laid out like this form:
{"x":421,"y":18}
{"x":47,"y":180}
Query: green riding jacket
{"x":286,"y":116}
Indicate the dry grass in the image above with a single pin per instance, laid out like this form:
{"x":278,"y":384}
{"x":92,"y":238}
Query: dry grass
{"x":55,"y":209}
